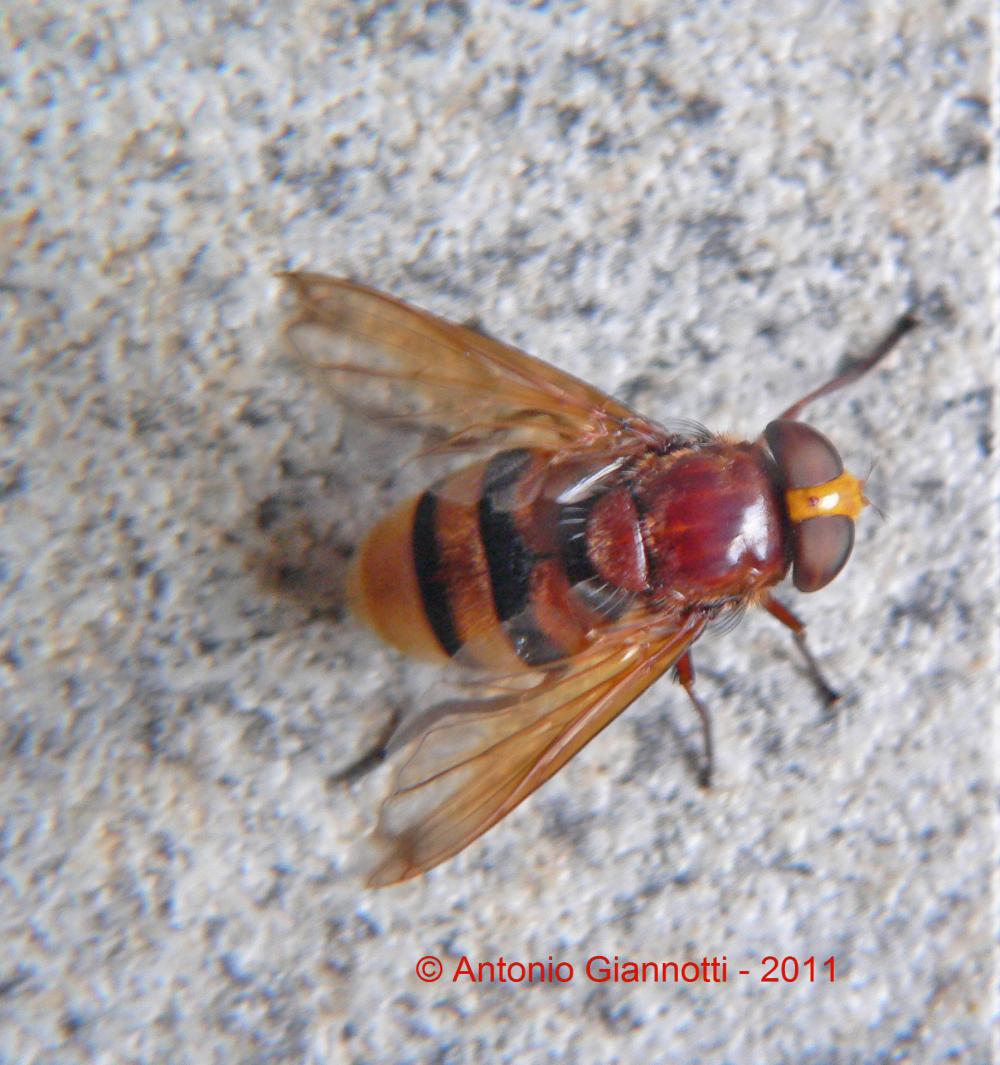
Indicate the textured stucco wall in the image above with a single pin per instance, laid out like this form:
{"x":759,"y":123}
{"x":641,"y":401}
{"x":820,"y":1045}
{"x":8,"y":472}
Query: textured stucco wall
{"x":702,"y":205}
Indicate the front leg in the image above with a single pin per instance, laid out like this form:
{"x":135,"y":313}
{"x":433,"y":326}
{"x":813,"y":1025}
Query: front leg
{"x":778,"y":610}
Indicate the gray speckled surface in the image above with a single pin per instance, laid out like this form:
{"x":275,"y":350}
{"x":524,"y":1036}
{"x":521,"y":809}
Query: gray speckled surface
{"x":700,"y":205}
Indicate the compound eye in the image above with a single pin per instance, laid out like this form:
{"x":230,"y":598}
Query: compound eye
{"x":821,"y":544}
{"x":820,"y":548}
{"x":804,"y":456}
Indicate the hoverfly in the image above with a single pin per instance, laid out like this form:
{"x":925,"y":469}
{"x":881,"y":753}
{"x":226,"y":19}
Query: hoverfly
{"x":573,"y":560}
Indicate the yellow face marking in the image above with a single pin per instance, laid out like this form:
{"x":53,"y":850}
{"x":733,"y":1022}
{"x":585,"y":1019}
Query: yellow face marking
{"x":843,"y":495}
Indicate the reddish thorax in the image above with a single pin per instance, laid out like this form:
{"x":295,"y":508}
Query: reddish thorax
{"x":713,"y":523}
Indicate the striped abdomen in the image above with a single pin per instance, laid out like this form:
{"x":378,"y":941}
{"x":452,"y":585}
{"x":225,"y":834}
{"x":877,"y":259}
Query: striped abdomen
{"x":502,"y":563}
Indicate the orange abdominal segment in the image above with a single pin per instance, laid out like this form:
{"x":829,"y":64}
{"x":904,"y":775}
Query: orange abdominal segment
{"x":383,"y":590}
{"x":478,"y":567}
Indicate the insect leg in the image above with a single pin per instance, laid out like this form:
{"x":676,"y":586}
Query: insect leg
{"x":373,"y":757}
{"x":861,"y":366}
{"x":684,"y":671}
{"x":798,"y":629}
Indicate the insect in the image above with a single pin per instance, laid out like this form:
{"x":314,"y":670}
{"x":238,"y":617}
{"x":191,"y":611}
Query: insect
{"x":572,"y":560}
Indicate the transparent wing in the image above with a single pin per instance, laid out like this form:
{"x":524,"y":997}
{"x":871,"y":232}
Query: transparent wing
{"x":448,"y":376}
{"x":475,"y":761}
